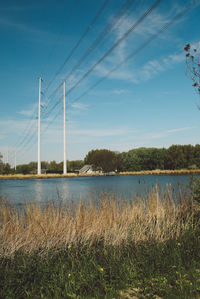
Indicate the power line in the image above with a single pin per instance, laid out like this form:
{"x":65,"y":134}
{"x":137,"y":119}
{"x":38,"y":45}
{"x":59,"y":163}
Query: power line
{"x":53,"y":107}
{"x":106,"y":30}
{"x":140,"y":48}
{"x":28,"y":129}
{"x":147,"y":12}
{"x":56,"y":115}
{"x":116,"y":44}
{"x":80,"y":40}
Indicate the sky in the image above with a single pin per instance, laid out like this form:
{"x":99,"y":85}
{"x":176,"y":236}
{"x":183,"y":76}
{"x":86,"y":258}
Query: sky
{"x":125,"y":88}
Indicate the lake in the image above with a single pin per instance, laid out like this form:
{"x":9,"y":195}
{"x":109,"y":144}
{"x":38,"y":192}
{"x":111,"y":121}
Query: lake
{"x":126,"y":187}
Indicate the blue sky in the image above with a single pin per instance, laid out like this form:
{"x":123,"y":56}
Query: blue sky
{"x":147,"y":102}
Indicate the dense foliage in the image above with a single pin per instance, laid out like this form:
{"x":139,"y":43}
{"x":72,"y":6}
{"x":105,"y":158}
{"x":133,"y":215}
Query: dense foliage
{"x":102,"y":159}
{"x":47,"y":167}
{"x":175,"y":157}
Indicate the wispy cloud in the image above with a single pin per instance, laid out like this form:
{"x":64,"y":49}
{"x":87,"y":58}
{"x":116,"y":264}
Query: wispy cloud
{"x":118,"y":91}
{"x":8,"y":22}
{"x":80,"y":106}
{"x":30,"y":33}
{"x":148,"y":27}
{"x":162,"y":134}
{"x":101,"y":132}
{"x":156,"y":66}
{"x":28,"y":112}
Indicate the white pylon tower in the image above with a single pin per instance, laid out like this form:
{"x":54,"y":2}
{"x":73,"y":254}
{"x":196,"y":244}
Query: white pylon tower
{"x":15,"y":162}
{"x":64,"y":131}
{"x":39,"y":105}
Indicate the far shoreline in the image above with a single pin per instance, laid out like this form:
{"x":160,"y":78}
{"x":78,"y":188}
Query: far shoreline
{"x":76,"y":175}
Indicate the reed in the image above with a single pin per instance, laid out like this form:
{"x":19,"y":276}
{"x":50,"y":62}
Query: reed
{"x":113,"y":222}
{"x":69,"y":175}
{"x":162,"y":172}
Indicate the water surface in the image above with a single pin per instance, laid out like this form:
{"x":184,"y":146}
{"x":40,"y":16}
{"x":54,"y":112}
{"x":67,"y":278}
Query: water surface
{"x":126,"y":187}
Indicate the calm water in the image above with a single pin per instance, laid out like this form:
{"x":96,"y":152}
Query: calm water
{"x":42,"y":190}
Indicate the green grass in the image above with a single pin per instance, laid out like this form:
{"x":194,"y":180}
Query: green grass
{"x":145,"y":270}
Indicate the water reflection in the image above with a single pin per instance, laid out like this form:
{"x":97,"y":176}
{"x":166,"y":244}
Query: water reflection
{"x":39,"y":196}
{"x":65,"y":190}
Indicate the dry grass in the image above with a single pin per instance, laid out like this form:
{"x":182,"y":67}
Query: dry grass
{"x":35,"y":176}
{"x":113,"y":222}
{"x":55,"y":175}
{"x":161,"y":172}
{"x":45,"y":176}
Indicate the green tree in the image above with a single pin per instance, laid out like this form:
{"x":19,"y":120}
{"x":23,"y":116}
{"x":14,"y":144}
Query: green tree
{"x":7,"y":168}
{"x":53,"y":167}
{"x":175,"y":158}
{"x":75,"y":165}
{"x":102,"y":159}
{"x":142,"y":159}
{"x":23,"y":168}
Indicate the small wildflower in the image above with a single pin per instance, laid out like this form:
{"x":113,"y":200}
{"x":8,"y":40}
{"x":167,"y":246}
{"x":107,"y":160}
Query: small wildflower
{"x":179,"y":244}
{"x":69,"y":246}
{"x":101,"y":269}
{"x":69,"y":275}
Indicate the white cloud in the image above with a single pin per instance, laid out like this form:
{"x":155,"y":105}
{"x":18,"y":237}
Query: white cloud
{"x":29,"y":112}
{"x":165,"y":133}
{"x":154,"y":67}
{"x":31,"y":33}
{"x":15,"y":126}
{"x":79,"y":106}
{"x":121,"y":74}
{"x":101,"y":132}
{"x":147,"y":28}
{"x":118,"y":91}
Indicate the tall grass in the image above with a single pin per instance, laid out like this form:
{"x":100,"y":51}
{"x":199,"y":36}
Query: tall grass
{"x":110,"y":221}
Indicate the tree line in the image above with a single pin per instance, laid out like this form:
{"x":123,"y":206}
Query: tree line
{"x":47,"y":167}
{"x":175,"y":157}
{"x":172,"y":158}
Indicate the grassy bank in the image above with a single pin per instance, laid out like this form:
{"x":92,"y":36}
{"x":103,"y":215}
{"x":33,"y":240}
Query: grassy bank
{"x":107,"y":249}
{"x":154,"y":270}
{"x":69,"y":175}
{"x":44,"y":176}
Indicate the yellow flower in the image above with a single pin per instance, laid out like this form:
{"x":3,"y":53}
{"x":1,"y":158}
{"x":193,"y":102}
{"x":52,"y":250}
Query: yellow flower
{"x":69,"y":246}
{"x":179,"y":244}
{"x":101,"y":269}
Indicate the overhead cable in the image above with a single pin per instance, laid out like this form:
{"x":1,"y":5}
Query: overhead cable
{"x":80,"y":40}
{"x":105,"y":31}
{"x":125,"y":35}
{"x":140,"y":48}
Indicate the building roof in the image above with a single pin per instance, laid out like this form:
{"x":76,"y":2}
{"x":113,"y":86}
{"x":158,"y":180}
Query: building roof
{"x":85,"y":168}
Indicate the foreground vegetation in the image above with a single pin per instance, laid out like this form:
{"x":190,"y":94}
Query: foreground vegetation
{"x":105,"y":249}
